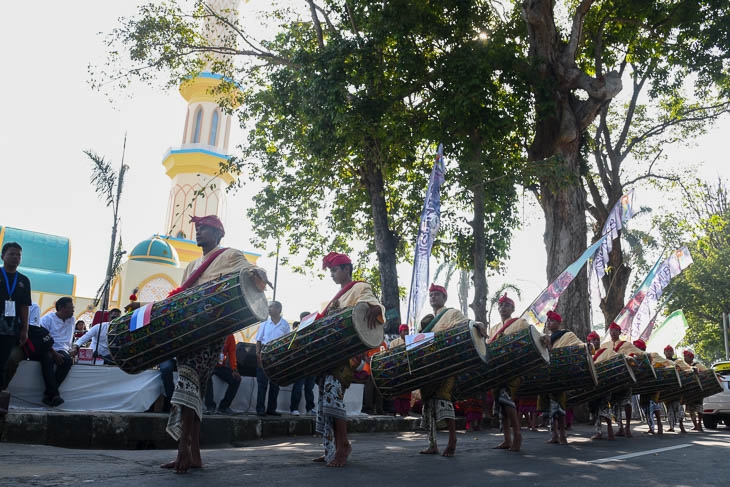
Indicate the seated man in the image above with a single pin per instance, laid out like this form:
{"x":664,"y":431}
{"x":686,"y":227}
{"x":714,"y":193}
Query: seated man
{"x":97,"y":335}
{"x":56,"y":364}
{"x":227,"y":371}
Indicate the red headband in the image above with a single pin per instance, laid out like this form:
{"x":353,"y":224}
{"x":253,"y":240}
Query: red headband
{"x":441,"y":289}
{"x":669,"y":347}
{"x":689,"y":354}
{"x":402,"y":327}
{"x":505,"y":299}
{"x":209,"y":221}
{"x":640,"y":344}
{"x":333,"y":259}
{"x":593,"y":335}
{"x":552,"y":315}
{"x":614,"y":326}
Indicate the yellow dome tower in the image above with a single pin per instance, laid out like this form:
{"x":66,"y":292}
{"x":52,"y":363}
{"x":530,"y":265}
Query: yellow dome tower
{"x":198,"y":186}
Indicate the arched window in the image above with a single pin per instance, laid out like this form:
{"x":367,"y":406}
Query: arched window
{"x":214,"y":128}
{"x":198,"y":123}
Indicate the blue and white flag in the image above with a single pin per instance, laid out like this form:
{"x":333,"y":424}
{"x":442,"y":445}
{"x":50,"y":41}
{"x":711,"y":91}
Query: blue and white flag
{"x":621,"y":212}
{"x":427,"y":230}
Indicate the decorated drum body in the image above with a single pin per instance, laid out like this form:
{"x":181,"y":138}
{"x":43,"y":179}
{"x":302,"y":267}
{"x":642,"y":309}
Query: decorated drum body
{"x":569,"y":368}
{"x":643,"y":369}
{"x":710,"y":383}
{"x":403,"y":369}
{"x":613,"y":374}
{"x":321,"y":346}
{"x":667,"y":378}
{"x":186,"y":321}
{"x":690,"y":387}
{"x":508,"y":357}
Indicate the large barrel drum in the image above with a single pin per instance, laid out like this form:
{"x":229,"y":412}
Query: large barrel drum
{"x":569,"y":368}
{"x":614,"y":374}
{"x":508,"y":357}
{"x":321,"y":346}
{"x":186,"y":321}
{"x":403,"y":369}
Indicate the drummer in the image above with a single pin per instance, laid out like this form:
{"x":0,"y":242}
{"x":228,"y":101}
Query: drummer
{"x":506,"y":395}
{"x":675,"y":413}
{"x":620,"y":399}
{"x":331,"y":412}
{"x":694,"y":407}
{"x":195,"y":368}
{"x":600,"y":407}
{"x":438,"y":406}
{"x":650,"y":402}
{"x":555,"y":403}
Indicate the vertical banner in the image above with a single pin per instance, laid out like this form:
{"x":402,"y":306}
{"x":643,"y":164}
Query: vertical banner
{"x":427,"y":230}
{"x":621,"y":212}
{"x":672,"y":266}
{"x":670,"y":332}
{"x":537,"y":311}
{"x":626,"y":316}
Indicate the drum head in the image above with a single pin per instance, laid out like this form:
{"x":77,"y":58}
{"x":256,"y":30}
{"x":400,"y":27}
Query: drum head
{"x":480,"y":343}
{"x":255,"y":299}
{"x":539,"y":346}
{"x":372,"y":338}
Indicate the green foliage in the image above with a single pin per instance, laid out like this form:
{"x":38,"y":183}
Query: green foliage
{"x":702,"y":290}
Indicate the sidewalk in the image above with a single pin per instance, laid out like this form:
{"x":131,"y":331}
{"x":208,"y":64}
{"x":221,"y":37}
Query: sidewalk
{"x":147,"y":430}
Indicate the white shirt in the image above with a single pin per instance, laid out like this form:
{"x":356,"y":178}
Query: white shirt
{"x":34,"y":315}
{"x":62,"y":331}
{"x":92,"y":335}
{"x":271,"y":331}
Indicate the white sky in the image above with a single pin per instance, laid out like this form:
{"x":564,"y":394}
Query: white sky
{"x":50,"y":115}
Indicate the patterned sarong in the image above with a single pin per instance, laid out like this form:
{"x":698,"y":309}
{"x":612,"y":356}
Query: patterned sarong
{"x":193,"y":372}
{"x":437,"y":408}
{"x":674,"y":413}
{"x":330,"y":406}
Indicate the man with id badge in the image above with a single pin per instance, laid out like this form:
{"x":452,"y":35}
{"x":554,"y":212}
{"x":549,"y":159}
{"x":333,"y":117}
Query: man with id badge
{"x":14,"y":302}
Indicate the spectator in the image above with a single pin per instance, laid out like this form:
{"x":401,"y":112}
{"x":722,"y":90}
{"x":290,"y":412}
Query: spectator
{"x":39,"y":343}
{"x":271,"y":329}
{"x":305,"y":383}
{"x":97,"y":335}
{"x":79,"y":329}
{"x":14,"y":303}
{"x":56,"y":364}
{"x":226,"y":370}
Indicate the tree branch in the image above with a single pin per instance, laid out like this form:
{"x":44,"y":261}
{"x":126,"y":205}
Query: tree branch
{"x":316,"y":24}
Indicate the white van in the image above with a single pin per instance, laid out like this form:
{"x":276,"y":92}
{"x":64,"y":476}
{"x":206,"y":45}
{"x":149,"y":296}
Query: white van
{"x":716,"y":409}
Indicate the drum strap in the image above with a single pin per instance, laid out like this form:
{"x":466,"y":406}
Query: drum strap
{"x":429,"y":327}
{"x":504,"y":327}
{"x":190,"y":281}
{"x":339,"y":294}
{"x":554,"y":337}
{"x":618,"y":345}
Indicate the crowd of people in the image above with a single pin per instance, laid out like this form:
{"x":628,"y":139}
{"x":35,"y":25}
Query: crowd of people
{"x":56,"y":338}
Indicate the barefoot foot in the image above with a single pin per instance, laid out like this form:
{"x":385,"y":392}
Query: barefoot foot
{"x":502,"y":446}
{"x":432,"y":450}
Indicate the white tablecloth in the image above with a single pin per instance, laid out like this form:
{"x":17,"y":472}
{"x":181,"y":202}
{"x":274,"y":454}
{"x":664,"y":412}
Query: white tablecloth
{"x":106,"y":388}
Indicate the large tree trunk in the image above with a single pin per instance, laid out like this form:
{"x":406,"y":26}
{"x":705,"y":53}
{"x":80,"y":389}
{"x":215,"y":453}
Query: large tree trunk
{"x":385,"y":246}
{"x":561,"y":118}
{"x":615,"y":283}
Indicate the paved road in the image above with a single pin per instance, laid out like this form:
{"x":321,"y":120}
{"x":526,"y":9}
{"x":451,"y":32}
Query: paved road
{"x":383,"y":459}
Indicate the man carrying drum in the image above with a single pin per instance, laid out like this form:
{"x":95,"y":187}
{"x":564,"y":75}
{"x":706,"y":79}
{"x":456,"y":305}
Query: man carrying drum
{"x":194,"y":369}
{"x":555,"y":403}
{"x":694,"y":408}
{"x":331,"y":412}
{"x":438,"y":406}
{"x":600,"y":408}
{"x":675,"y":414}
{"x":620,"y":399}
{"x":506,"y":395}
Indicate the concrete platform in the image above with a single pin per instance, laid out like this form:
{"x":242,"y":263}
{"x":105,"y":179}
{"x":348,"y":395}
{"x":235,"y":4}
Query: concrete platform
{"x":147,"y":430}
